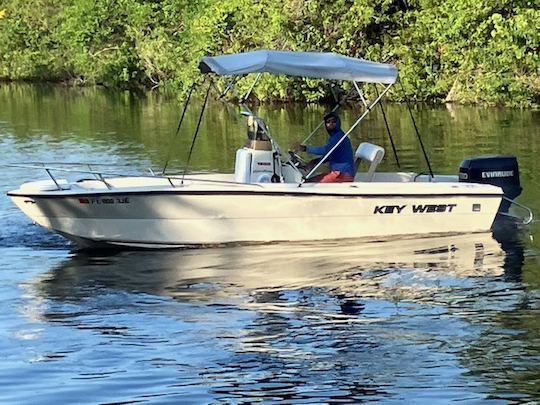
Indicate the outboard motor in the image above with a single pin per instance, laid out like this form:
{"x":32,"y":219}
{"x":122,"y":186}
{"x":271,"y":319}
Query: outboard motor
{"x":500,"y":171}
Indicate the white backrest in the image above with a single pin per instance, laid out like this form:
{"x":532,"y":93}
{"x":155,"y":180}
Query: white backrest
{"x":373,"y":154}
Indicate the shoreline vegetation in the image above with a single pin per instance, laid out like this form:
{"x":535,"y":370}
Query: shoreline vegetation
{"x":467,"y":52}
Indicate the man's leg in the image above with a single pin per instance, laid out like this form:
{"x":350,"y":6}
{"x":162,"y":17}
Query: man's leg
{"x":336,"y":177}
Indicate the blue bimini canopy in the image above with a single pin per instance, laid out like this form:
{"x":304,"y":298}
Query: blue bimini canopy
{"x":319,"y":65}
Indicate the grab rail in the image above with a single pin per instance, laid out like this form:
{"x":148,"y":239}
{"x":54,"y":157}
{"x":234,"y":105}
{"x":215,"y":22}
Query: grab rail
{"x":525,"y":221}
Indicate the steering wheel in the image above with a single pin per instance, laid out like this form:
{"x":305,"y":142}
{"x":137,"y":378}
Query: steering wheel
{"x":296,"y":160}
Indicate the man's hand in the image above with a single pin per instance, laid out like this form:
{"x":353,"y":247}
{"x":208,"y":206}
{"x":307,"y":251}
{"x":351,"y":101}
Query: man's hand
{"x":298,"y":147}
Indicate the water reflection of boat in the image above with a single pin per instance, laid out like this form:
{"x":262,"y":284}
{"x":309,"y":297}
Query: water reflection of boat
{"x":320,"y":311}
{"x":402,"y":267}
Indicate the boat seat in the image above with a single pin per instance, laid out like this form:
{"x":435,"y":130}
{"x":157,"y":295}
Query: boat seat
{"x":368,"y":152}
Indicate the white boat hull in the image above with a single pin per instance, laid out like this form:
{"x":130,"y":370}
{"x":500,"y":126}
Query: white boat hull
{"x":156,"y":215}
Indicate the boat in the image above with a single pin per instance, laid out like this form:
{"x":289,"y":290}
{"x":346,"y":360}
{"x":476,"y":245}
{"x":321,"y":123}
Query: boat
{"x":268,"y":197}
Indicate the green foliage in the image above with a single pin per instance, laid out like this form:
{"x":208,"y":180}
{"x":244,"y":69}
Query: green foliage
{"x":481,"y":51}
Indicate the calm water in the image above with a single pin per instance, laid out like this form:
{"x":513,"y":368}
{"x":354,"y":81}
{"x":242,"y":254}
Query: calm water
{"x":433,"y":320}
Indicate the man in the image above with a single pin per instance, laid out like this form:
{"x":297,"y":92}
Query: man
{"x":341,"y":160}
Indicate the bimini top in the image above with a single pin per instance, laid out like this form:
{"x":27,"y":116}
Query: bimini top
{"x":320,"y":65}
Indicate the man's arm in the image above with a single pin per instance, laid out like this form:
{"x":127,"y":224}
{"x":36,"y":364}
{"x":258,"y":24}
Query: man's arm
{"x":323,"y":150}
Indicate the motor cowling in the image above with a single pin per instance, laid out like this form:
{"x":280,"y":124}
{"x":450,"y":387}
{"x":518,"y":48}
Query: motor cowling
{"x":501,"y":171}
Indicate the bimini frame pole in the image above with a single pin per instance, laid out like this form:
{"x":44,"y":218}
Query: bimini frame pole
{"x":388,"y":128}
{"x":361,"y":94}
{"x":241,"y":100}
{"x":336,"y":107}
{"x":248,"y":93}
{"x":196,"y":132}
{"x":416,"y":130}
{"x":368,"y":109}
{"x":179,"y":126}
{"x":230,"y":85}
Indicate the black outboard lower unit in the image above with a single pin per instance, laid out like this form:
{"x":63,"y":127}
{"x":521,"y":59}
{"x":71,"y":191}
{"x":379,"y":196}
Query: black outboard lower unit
{"x":500,"y":171}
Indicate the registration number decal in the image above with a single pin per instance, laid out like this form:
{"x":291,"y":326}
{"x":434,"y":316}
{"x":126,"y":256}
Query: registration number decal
{"x":104,"y":200}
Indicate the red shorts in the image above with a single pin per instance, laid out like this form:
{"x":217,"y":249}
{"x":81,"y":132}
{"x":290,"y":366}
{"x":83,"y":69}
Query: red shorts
{"x":332,"y":177}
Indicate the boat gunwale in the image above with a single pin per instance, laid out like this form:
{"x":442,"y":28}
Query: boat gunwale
{"x":55,"y":194}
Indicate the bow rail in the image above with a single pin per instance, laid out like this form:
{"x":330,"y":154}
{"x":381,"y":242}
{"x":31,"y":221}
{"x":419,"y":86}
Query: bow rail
{"x":104,"y":175}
